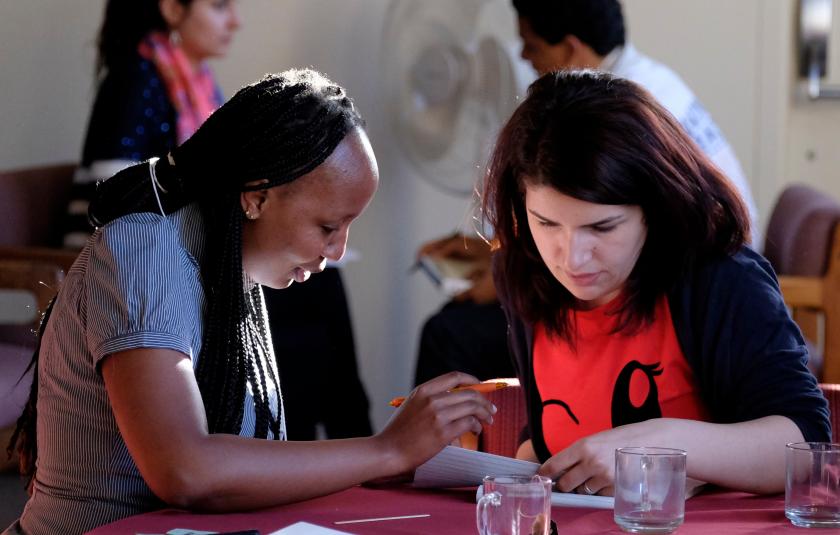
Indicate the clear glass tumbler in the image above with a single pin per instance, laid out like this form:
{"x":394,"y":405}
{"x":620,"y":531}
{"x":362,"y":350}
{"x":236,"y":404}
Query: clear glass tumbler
{"x":514,"y":505}
{"x":812,"y":484}
{"x":649,"y":489}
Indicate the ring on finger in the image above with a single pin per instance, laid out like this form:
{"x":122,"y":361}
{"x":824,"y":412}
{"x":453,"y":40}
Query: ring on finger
{"x":586,"y":489}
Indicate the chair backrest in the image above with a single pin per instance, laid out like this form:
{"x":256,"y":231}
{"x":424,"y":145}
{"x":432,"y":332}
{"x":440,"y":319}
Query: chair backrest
{"x":31,"y":283}
{"x":803,"y":245}
{"x":832,"y":394}
{"x":502,"y":438}
{"x":800,"y":231}
{"x":33,"y":202}
{"x":18,"y":324}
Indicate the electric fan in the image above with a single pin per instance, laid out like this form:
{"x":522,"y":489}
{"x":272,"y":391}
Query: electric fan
{"x":452,"y":76}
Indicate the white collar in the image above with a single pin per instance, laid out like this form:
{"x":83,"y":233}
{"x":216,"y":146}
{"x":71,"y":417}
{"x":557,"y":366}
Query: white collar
{"x":610,"y":60}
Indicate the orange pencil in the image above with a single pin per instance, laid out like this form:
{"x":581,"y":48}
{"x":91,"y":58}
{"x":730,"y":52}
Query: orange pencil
{"x":479,"y":387}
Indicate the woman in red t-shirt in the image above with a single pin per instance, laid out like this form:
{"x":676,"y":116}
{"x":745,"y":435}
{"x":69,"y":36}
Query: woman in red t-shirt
{"x":637,"y":314}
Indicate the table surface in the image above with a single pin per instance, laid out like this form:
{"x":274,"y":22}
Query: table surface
{"x":453,"y":512}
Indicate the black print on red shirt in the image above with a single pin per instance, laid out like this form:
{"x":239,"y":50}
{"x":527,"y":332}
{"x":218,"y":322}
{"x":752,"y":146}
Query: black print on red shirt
{"x":623,"y":411}
{"x":564,"y":405}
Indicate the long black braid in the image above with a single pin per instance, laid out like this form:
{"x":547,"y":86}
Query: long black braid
{"x":275,"y":131}
{"x":25,"y":436}
{"x":282,"y":127}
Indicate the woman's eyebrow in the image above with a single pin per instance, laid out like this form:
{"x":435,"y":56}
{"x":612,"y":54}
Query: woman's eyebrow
{"x":601,"y":222}
{"x":606,"y":221}
{"x":537,"y":214}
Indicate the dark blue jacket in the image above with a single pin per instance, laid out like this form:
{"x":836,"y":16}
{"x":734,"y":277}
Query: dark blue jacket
{"x":132,"y":117}
{"x":748,"y":355}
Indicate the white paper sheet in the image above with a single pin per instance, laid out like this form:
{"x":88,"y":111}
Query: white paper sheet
{"x":459,"y":467}
{"x":305,"y":528}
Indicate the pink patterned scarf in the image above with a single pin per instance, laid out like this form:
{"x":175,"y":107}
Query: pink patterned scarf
{"x":192,"y":92}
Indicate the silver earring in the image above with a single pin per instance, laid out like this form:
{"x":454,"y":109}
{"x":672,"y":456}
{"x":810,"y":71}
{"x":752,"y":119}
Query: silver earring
{"x":249,"y":215}
{"x":174,"y":38}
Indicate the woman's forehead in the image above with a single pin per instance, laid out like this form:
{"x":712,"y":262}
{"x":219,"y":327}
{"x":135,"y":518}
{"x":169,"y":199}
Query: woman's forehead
{"x":546,"y":199}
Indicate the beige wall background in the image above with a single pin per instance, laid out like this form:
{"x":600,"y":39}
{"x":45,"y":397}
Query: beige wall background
{"x":46,"y":78}
{"x":738,"y":56}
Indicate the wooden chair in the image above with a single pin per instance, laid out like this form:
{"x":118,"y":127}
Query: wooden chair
{"x":803,"y":245}
{"x":832,"y":394}
{"x":39,"y":281}
{"x":502,"y":438}
{"x":33,"y":203}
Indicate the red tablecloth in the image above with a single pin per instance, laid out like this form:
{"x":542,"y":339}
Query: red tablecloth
{"x":453,"y":512}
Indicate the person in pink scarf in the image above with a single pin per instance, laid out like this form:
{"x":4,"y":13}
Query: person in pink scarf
{"x":155,"y":87}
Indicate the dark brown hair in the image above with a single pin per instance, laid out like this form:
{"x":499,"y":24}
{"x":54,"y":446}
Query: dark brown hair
{"x":605,"y":140}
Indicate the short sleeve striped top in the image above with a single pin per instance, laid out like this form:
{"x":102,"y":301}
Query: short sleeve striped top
{"x":137,"y":283}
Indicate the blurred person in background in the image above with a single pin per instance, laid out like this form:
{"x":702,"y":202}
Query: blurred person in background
{"x":155,"y":87}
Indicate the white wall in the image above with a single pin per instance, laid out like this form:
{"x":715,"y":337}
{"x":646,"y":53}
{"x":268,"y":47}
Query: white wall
{"x":712,"y":45}
{"x":739,"y":57}
{"x":736,"y":55}
{"x":812,"y":151}
{"x":46,"y":79}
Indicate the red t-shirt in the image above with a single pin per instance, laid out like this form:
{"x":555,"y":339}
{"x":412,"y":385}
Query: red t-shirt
{"x":612,"y":379}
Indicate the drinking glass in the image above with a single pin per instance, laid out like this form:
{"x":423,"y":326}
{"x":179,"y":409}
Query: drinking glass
{"x":649,"y":489}
{"x":812,"y":484}
{"x":514,"y":505}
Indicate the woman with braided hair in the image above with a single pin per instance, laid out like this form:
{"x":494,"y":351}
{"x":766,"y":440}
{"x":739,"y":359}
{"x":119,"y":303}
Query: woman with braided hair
{"x":155,"y":371}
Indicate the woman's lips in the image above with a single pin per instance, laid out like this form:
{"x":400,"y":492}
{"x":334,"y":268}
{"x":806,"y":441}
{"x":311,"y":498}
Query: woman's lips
{"x":585,"y":279}
{"x":300,"y":275}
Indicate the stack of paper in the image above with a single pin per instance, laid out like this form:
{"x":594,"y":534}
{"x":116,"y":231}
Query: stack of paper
{"x":459,"y":467}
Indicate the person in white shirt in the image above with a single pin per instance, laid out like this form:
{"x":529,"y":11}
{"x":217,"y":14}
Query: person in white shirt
{"x":590,"y":34}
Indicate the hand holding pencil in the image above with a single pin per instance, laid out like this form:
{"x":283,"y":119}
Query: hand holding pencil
{"x":478,"y":387}
{"x":431,"y":417}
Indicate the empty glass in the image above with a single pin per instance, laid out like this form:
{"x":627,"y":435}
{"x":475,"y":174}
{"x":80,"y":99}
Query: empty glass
{"x":514,"y":505}
{"x":649,"y":489}
{"x":812,"y":484}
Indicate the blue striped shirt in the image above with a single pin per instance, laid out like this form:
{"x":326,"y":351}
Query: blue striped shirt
{"x":136,"y":284}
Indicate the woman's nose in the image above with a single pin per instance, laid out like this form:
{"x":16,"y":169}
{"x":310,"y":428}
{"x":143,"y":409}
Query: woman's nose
{"x":335,"y":248}
{"x":578,"y":253}
{"x":234,"y":20}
